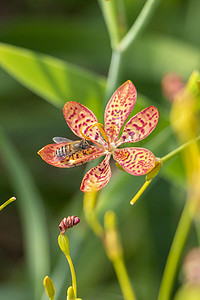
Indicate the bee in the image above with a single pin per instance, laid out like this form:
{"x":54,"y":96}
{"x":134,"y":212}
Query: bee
{"x":67,"y":223}
{"x":70,"y":148}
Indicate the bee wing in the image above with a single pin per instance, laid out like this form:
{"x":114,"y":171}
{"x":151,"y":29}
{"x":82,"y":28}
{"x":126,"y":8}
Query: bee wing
{"x":59,"y":140}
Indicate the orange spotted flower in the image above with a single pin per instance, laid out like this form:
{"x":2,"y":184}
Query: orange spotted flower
{"x":105,"y":139}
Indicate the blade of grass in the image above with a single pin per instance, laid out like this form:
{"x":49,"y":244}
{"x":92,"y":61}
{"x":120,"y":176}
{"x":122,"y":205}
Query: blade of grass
{"x":31,"y":210}
{"x":53,"y":79}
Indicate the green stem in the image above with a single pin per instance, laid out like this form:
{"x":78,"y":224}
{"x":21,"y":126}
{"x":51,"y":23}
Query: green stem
{"x":95,"y":225}
{"x":110,"y":14}
{"x":114,"y":251}
{"x":89,"y":204}
{"x":179,"y":149}
{"x":122,"y":17}
{"x":113,"y":74}
{"x":139,"y":25}
{"x":175,"y":253}
{"x":197,"y":225}
{"x":73,"y":274}
{"x":123,"y":279}
{"x":120,"y":46}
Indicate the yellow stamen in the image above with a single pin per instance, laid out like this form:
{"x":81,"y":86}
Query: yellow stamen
{"x":85,"y":136}
{"x":140,"y":192}
{"x":101,"y":129}
{"x":7,"y":202}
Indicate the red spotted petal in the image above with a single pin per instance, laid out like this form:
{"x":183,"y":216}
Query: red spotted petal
{"x":118,"y":109}
{"x":136,"y":161}
{"x":79,"y":117}
{"x":140,"y":126}
{"x":97,"y":177}
{"x":48,"y":154}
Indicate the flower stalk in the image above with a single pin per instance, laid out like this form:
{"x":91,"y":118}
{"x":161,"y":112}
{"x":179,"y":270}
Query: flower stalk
{"x":72,"y":274}
{"x":120,"y":40}
{"x":179,"y":149}
{"x":176,"y":250}
{"x":113,"y":73}
{"x":63,"y":243}
{"x":114,"y":252}
{"x":110,"y":14}
{"x":123,"y":279}
{"x":89,"y":204}
{"x":139,"y":25}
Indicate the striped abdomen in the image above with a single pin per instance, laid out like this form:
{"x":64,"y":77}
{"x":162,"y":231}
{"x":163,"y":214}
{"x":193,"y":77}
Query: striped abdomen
{"x":64,"y":151}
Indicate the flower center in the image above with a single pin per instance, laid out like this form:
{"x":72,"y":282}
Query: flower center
{"x":110,"y":146}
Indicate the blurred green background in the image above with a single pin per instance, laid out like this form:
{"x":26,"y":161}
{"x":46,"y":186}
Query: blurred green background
{"x":75,"y":33}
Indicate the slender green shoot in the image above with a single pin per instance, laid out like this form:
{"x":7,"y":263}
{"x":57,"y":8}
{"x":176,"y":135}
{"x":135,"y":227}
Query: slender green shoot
{"x":179,"y":149}
{"x":175,"y":253}
{"x":139,"y":25}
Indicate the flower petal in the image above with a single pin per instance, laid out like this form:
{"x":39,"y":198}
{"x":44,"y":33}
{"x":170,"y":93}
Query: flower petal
{"x":47,"y":153}
{"x":139,"y":126}
{"x":79,"y":117}
{"x":118,"y":109}
{"x":136,"y":161}
{"x":97,"y":177}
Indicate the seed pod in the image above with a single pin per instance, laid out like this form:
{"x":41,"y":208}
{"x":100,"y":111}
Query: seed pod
{"x":68,"y":222}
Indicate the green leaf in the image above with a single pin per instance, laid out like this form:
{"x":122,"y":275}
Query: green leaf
{"x":31,"y":210}
{"x":53,"y":79}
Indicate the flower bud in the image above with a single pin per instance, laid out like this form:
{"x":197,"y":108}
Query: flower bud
{"x":198,"y":85}
{"x":191,"y":267}
{"x":63,"y":243}
{"x":49,"y":287}
{"x":172,"y":84}
{"x":188,"y":292}
{"x":68,"y":222}
{"x":70,"y":293}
